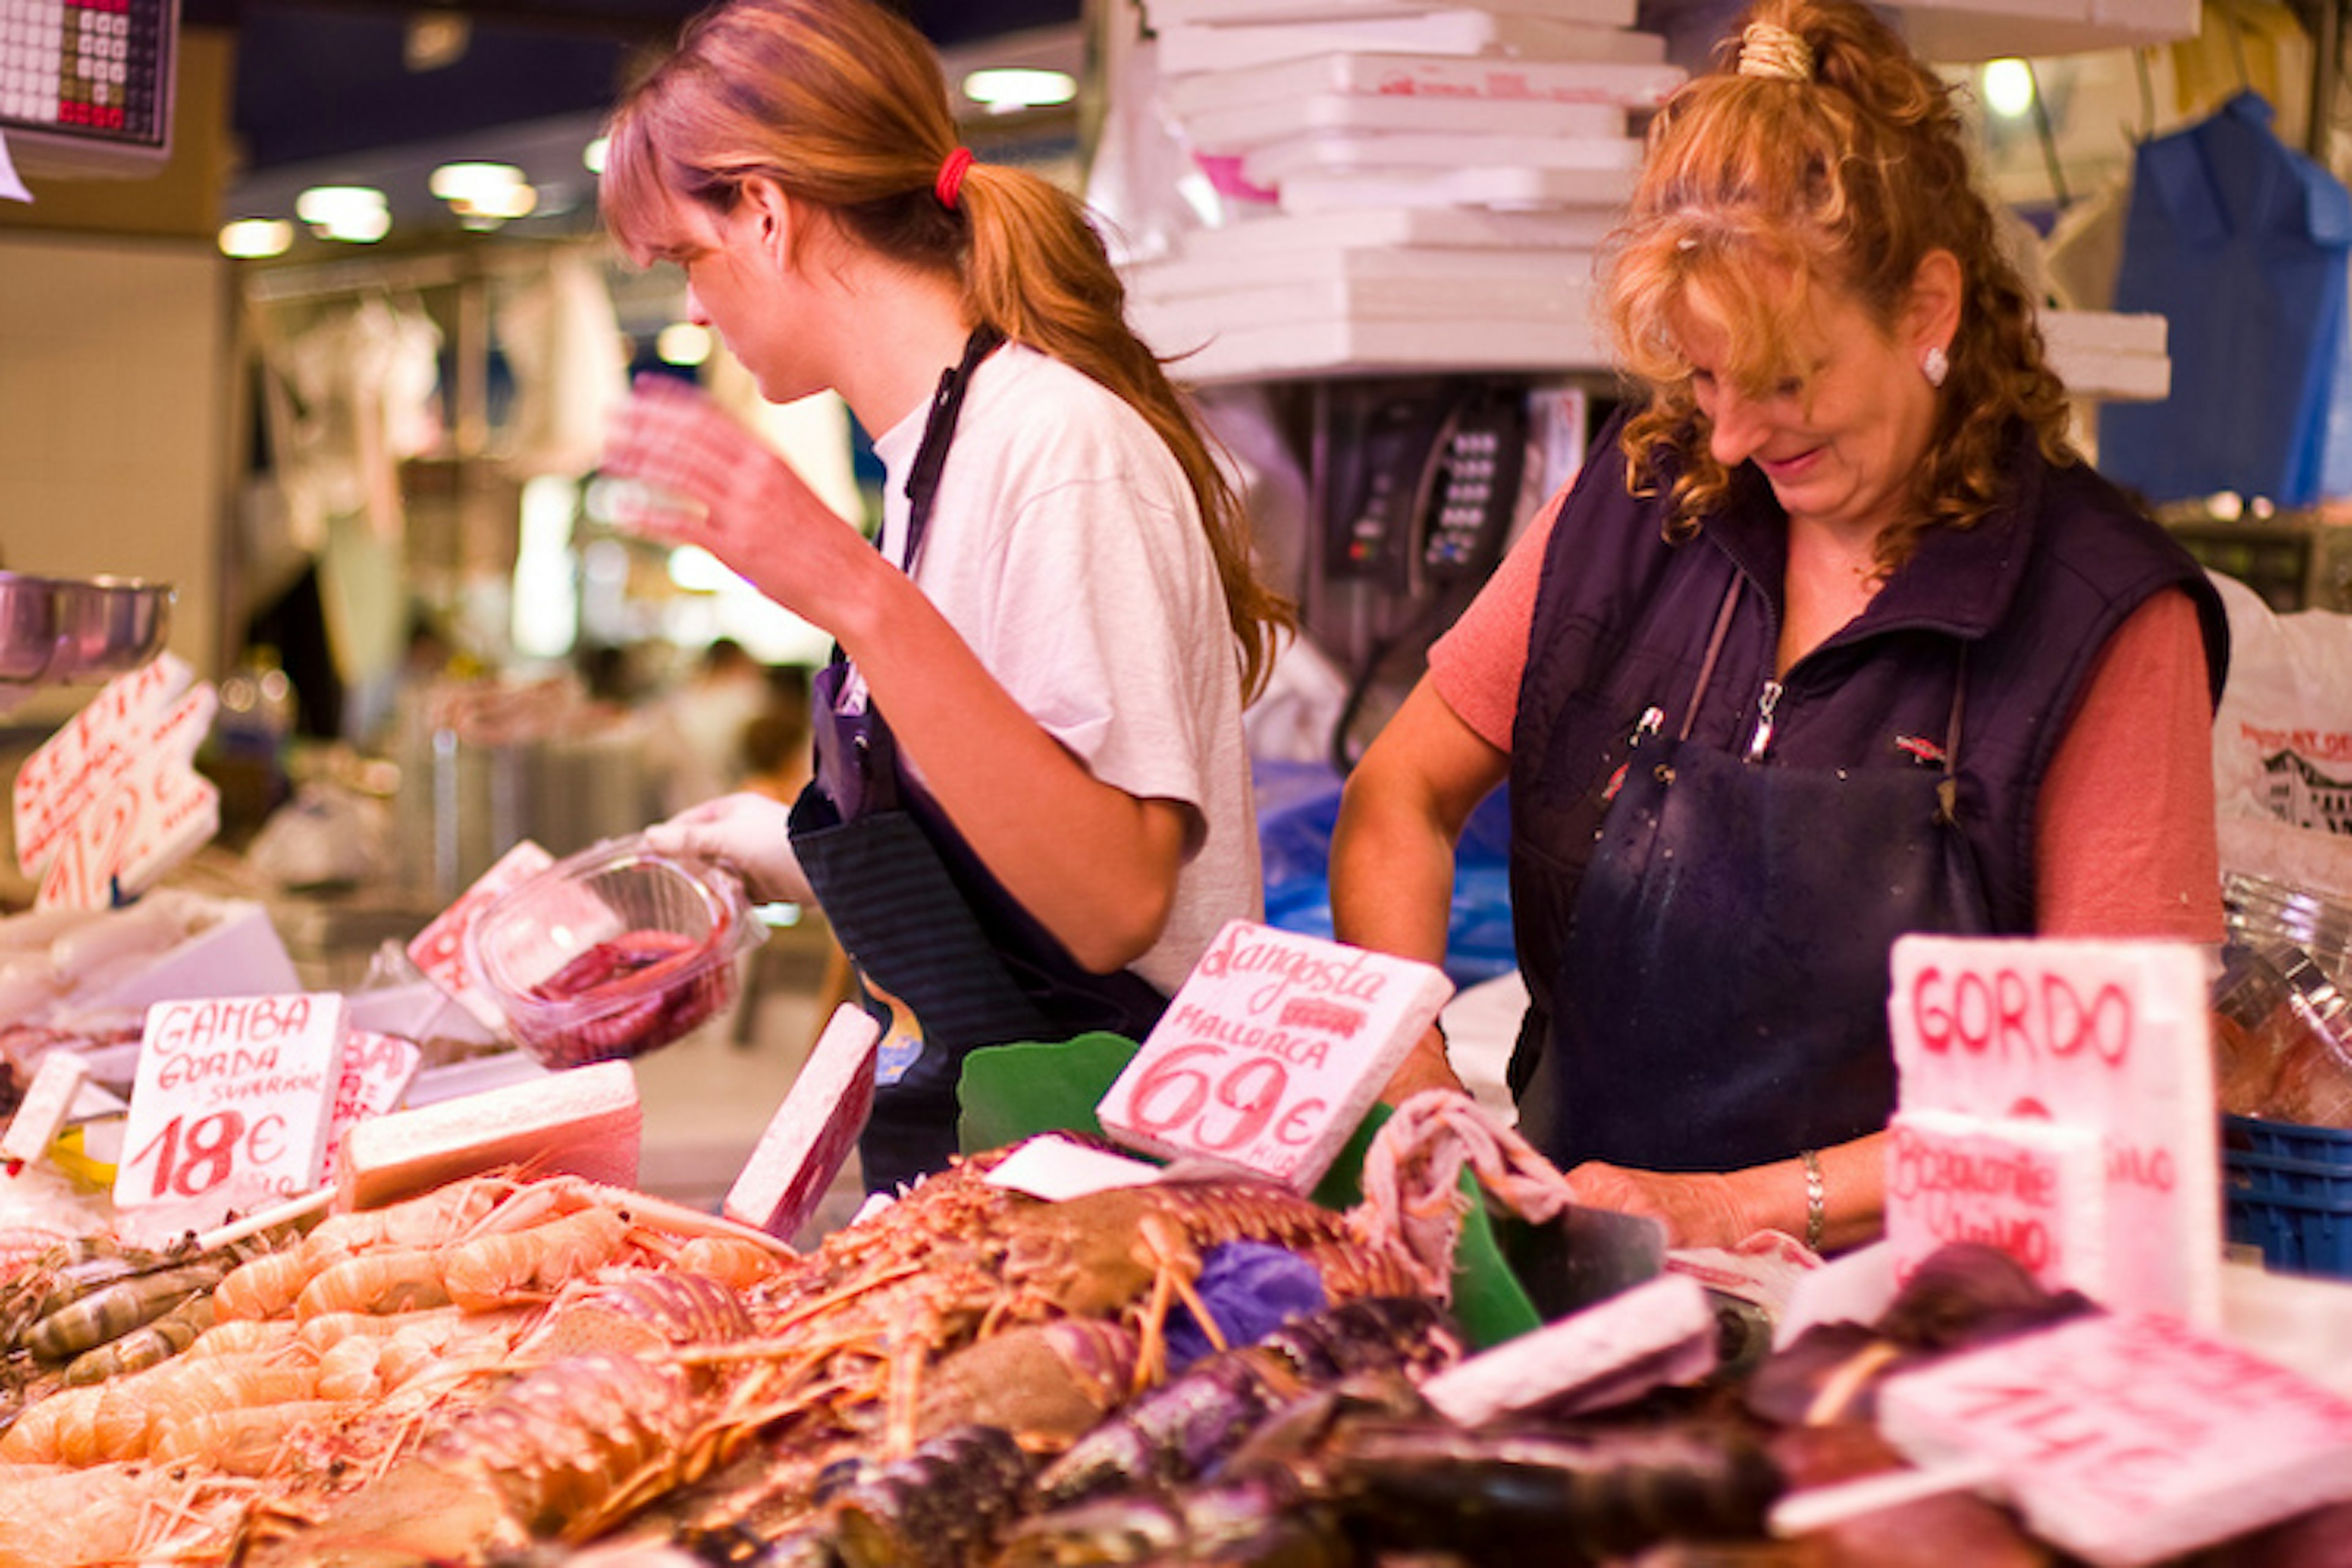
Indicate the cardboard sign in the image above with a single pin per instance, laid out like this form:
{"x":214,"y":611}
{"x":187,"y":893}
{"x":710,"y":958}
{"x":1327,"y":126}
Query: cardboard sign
{"x":1272,"y":1052}
{"x":2106,"y":1039}
{"x":810,"y":1137}
{"x":229,"y":1103}
{"x":112,"y":801}
{"x":2129,"y":1438}
{"x":439,"y":950}
{"x":2034,"y":1189}
{"x":375,"y":1073}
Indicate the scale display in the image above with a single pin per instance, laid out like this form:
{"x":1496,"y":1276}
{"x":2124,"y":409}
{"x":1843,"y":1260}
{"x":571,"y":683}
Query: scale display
{"x":87,"y":77}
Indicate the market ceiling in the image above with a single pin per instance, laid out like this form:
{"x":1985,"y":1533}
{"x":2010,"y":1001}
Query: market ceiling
{"x":330,"y":79}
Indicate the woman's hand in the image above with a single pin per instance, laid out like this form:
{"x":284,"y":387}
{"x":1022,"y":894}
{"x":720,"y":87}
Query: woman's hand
{"x":1427,"y":1067}
{"x":748,"y":834}
{"x":707,"y":480}
{"x":1697,"y":1208}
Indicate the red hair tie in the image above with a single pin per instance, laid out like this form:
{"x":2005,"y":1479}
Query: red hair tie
{"x":950,"y":183}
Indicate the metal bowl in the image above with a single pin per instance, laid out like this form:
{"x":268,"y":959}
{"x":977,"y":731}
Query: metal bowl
{"x":29,"y":627}
{"x":55,"y":629}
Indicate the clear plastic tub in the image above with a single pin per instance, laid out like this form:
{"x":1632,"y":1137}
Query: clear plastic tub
{"x":2282,"y":1039}
{"x":614,"y":952}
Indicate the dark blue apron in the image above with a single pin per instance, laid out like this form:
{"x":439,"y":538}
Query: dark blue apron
{"x":1719,"y":995}
{"x":920,"y":916}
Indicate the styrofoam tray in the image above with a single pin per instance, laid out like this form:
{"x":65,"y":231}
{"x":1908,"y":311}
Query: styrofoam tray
{"x":1271,"y":165}
{"x":1364,"y":347}
{"x":1386,"y":228}
{"x":1169,"y":282}
{"x":1176,"y":326}
{"x":1636,"y":75}
{"x":1509,"y":188}
{"x":1177,"y":13}
{"x":1186,"y":50}
{"x":1239,"y":127}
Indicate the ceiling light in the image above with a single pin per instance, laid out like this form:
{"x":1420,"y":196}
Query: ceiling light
{"x":682,"y":344}
{"x":434,"y":39}
{"x":354,"y":213}
{"x":1009,"y":89}
{"x":252,"y":238}
{"x":484,"y":196}
{"x":592,"y":156}
{"x":2008,"y":88}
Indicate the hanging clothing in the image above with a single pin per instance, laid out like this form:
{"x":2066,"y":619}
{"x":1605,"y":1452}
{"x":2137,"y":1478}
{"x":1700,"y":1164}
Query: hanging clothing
{"x":1709,"y":863}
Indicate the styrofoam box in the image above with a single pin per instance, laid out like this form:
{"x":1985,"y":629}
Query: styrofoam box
{"x":1509,"y":188}
{"x":1169,"y":282}
{"x":1172,"y":326}
{"x":1187,"y":49}
{"x":1380,"y":347}
{"x":1241,"y":127}
{"x":1636,"y":77}
{"x":1271,"y":165}
{"x":240,"y":956}
{"x":1961,"y":30}
{"x":1394,"y":229}
{"x":1177,"y":13}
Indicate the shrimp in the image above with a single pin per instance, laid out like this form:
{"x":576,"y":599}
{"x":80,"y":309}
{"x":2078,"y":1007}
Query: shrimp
{"x":349,"y":1369}
{"x":493,"y":1268}
{"x":246,"y":1441}
{"x":391,"y":1279}
{"x":728,"y":1259}
{"x":151,"y":1344}
{"x":243,"y":1336}
{"x":113,"y":1310}
{"x":59,"y":1430}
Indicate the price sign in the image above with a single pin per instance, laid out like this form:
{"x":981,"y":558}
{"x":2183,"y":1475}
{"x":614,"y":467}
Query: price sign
{"x":2129,"y":1438}
{"x":375,"y":1073}
{"x":2034,"y":1189}
{"x":229,"y":1103}
{"x":439,"y":950}
{"x":1272,"y":1052}
{"x":112,"y":800}
{"x":2106,"y":1040}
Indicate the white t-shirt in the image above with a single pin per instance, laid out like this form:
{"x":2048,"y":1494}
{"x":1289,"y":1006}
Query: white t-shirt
{"x":1065,"y":547}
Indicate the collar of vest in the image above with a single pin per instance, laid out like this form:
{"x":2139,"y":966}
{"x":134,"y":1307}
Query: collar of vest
{"x":1959,"y":581}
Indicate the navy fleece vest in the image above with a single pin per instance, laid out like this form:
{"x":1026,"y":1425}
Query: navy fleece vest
{"x":2032,"y":594}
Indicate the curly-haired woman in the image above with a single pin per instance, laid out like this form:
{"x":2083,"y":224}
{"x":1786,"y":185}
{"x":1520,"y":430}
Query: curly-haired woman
{"x":1835,"y":638}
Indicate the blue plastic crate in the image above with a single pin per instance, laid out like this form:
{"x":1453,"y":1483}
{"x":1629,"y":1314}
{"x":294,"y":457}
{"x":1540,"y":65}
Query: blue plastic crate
{"x":2287,"y":1192}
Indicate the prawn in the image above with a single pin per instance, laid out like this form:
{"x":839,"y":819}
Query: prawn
{"x":493,"y":1268}
{"x":241,"y":1442}
{"x":151,"y":1344}
{"x":392,"y":1280}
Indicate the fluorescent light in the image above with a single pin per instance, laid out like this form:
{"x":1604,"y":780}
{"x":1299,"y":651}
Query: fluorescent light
{"x":2008,"y":88}
{"x":682,"y":344}
{"x":468,"y":181}
{"x":354,"y":213}
{"x":592,"y":156}
{"x":697,"y":571}
{"x":251,"y":239}
{"x":1007,"y":90}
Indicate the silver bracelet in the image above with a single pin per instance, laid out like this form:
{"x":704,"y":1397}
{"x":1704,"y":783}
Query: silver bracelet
{"x":1817,"y":1196}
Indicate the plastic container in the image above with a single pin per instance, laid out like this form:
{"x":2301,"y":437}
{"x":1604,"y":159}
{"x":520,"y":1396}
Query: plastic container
{"x":613,"y":951}
{"x":2287,"y":1192}
{"x":2283,"y":1037}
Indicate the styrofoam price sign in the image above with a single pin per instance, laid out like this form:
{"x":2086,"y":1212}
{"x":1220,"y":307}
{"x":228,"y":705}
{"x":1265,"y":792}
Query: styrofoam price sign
{"x":374,"y":1074}
{"x":1272,"y":1052}
{"x":112,"y":801}
{"x":439,"y":950}
{"x":2131,"y":1437}
{"x":2021,"y":1050}
{"x":229,"y":1103}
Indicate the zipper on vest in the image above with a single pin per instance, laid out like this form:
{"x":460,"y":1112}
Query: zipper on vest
{"x":1766,"y":702}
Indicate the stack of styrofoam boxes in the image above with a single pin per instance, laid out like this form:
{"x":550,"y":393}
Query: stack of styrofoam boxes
{"x":1438,"y":178}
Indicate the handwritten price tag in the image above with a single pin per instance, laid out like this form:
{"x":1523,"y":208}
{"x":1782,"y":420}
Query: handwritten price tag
{"x":439,"y":950}
{"x":1272,"y":1052}
{"x":2106,"y":1039}
{"x":114,"y":801}
{"x":2129,"y":1438}
{"x":229,"y":1104}
{"x":376,"y":1072}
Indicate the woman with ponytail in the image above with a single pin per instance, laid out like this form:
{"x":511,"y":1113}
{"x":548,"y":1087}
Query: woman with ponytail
{"x":1031,"y":809}
{"x":1835,"y":638}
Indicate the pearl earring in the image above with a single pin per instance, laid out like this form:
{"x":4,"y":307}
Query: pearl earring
{"x":1934,"y":364}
